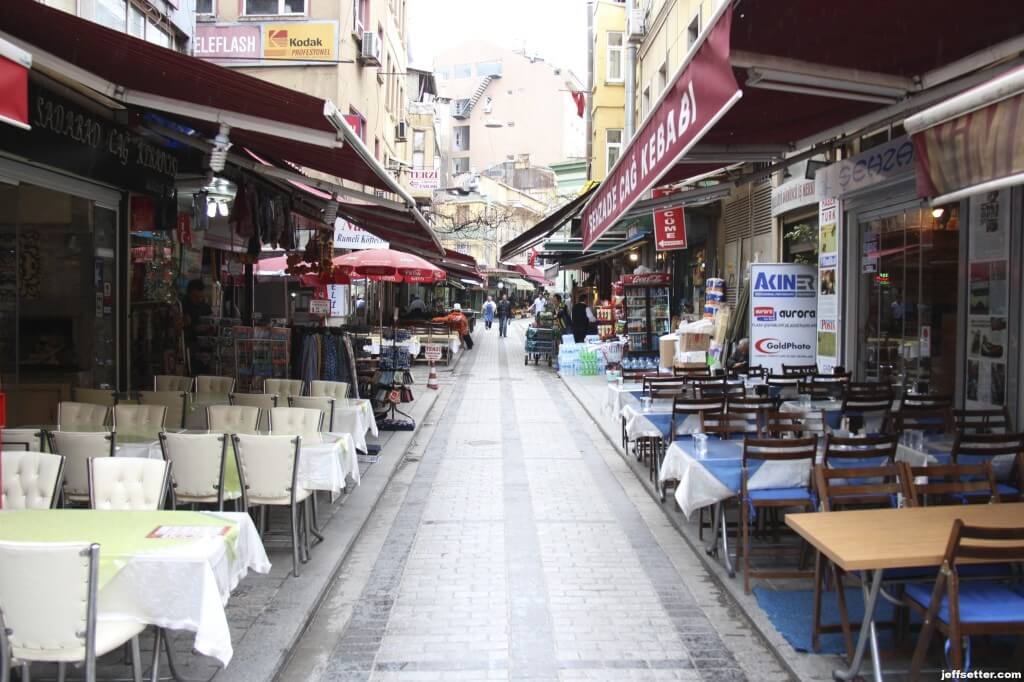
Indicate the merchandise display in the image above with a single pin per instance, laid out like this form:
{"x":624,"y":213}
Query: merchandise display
{"x":648,"y":310}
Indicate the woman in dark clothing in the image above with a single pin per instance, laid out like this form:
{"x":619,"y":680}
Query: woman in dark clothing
{"x":580,"y":323}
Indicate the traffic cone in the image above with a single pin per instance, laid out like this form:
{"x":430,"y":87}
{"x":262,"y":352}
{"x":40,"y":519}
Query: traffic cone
{"x":432,"y":377}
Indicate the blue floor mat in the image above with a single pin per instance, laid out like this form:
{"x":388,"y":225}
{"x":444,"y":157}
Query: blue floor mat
{"x":792,"y":613}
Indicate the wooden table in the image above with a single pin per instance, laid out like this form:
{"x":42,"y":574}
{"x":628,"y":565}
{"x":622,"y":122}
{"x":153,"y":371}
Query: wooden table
{"x":872,"y":540}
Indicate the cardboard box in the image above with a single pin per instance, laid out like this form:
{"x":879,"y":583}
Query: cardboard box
{"x":694,"y":342}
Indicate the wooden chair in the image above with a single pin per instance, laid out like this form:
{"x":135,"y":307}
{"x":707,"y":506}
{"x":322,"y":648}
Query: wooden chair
{"x":788,"y":387}
{"x":751,"y":500}
{"x":982,"y":421}
{"x":718,"y":387}
{"x":691,"y":371}
{"x":935,"y":420}
{"x":663,"y":387}
{"x":870,"y":411}
{"x":1002,"y":450}
{"x":729,"y":424}
{"x":799,"y":370}
{"x":931,"y":402}
{"x":952,"y":483}
{"x":683,"y":408}
{"x":758,"y":406}
{"x":855,"y":387}
{"x":863,"y":450}
{"x":795,"y":424}
{"x":842,"y":488}
{"x":958,"y":609}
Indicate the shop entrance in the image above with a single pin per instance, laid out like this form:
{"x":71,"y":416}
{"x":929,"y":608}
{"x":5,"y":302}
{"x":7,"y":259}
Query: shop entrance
{"x":906,"y":278}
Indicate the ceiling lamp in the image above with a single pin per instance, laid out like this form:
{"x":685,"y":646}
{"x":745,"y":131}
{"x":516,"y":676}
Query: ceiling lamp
{"x":331,"y":211}
{"x":219,"y":152}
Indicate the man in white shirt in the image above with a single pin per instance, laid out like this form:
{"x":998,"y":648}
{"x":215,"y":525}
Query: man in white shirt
{"x":539,"y":304}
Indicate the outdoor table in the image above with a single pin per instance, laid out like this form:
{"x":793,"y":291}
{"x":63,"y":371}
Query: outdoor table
{"x":869,"y":541}
{"x":177,"y":583}
{"x":832,"y":408}
{"x":355,"y":416}
{"x":617,"y":396}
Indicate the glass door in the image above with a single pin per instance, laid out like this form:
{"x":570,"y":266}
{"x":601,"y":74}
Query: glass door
{"x":907,"y":303}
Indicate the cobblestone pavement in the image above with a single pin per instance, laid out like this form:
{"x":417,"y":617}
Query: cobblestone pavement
{"x":521,"y":547}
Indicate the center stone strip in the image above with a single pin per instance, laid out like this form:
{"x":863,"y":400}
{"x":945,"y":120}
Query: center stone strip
{"x":353,"y":656}
{"x":710,"y":656}
{"x":531,"y":633}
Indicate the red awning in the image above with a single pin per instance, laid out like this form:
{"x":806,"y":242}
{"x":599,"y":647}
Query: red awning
{"x":533,"y":274}
{"x":806,"y":71}
{"x":14,"y":66}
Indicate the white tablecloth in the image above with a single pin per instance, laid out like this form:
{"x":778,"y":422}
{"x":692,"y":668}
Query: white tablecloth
{"x":616,"y":397}
{"x":186,"y":587}
{"x":355,"y":416}
{"x":639,"y":426}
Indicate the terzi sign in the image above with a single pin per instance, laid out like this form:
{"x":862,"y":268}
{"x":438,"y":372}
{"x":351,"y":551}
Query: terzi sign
{"x":701,"y":93}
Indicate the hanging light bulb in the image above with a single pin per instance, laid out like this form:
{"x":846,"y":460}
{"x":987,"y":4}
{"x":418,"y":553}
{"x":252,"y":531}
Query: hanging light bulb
{"x":937,"y":212}
{"x":221,"y":145}
{"x":331,"y":211}
{"x":211,"y":208}
{"x":222,"y":208}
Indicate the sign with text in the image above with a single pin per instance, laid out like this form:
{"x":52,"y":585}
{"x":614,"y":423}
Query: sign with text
{"x":424,"y":179}
{"x":348,"y":236}
{"x":309,"y":41}
{"x":670,"y":229}
{"x":867,"y":169}
{"x":783,"y":315}
{"x":320,"y":306}
{"x":700,"y":94}
{"x":234,"y":42}
{"x":793,"y":195}
{"x":647,"y":279}
{"x":828,"y":285}
{"x":433,"y":351}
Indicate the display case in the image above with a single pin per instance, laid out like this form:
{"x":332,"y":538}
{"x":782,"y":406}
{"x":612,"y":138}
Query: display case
{"x":648,"y":310}
{"x":605,"y":320}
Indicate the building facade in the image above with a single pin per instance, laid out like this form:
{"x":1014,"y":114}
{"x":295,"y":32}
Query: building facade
{"x":163,"y":23}
{"x":608,"y":94}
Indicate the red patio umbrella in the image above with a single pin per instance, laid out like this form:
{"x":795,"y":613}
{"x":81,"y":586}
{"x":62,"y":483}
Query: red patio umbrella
{"x":388,"y":266}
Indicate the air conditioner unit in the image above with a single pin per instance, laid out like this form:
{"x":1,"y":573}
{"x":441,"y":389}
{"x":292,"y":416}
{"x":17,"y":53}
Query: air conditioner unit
{"x":401,"y":131}
{"x":369,"y":52}
{"x":635,"y":25}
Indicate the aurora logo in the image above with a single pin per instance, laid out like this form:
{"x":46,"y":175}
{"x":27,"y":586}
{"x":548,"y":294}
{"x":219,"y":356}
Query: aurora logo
{"x":773,"y":346}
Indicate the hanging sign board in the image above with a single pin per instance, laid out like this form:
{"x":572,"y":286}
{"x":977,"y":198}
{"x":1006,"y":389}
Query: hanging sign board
{"x":669,"y":229}
{"x":320,"y":306}
{"x":783,"y":312}
{"x":348,"y":236}
{"x":433,"y":351}
{"x":828,"y":285}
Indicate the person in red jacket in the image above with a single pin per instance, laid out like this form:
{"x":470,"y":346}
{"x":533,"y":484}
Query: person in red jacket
{"x":458,"y":323}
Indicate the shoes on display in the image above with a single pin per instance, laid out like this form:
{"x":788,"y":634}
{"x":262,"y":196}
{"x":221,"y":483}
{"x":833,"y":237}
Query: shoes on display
{"x":990,"y":350}
{"x":998,"y":324}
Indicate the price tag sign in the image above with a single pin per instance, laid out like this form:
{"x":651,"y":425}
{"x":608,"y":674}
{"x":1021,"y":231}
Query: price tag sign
{"x":320,"y":306}
{"x":433,"y":351}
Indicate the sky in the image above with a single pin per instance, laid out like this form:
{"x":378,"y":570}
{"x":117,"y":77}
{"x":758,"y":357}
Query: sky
{"x":553,"y":29}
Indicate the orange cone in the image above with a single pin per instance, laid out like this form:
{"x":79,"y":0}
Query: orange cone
{"x":432,"y":377}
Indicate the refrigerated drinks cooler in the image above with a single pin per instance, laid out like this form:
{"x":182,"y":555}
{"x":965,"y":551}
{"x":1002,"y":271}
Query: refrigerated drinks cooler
{"x":648,"y":311}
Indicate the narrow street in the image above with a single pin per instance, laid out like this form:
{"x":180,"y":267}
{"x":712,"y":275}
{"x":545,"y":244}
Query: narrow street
{"x":521,"y":546}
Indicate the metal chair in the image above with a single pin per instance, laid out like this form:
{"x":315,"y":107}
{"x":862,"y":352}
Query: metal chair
{"x":24,"y":439}
{"x":78,"y":448}
{"x":128,"y":483}
{"x":332,"y":389}
{"x":230,"y":419}
{"x":284,"y":388}
{"x":49,"y":593}
{"x":295,"y":421}
{"x":170,"y":382}
{"x":264,"y":401}
{"x":72,"y":416}
{"x":322,"y":403}
{"x":961,"y":609}
{"x":32,"y":480}
{"x":96,"y":396}
{"x":140,"y":420}
{"x":198,"y":466}
{"x":174,"y":401}
{"x":214,"y":384}
{"x":769,"y":451}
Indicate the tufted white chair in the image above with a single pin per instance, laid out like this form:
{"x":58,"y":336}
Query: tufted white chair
{"x":284,"y":388}
{"x":233,"y":419}
{"x":322,"y":403}
{"x":174,"y":401}
{"x":268,"y":467}
{"x":206,"y":383}
{"x":96,"y":396}
{"x":73,"y":416}
{"x":49,"y":592}
{"x":295,"y":421}
{"x":332,"y":389}
{"x":128,"y":483}
{"x":265,"y":401}
{"x":168,"y":382}
{"x":31,"y":480}
{"x":198,"y":461}
{"x":77,"y":449}
{"x":23,"y":439}
{"x":140,"y":419}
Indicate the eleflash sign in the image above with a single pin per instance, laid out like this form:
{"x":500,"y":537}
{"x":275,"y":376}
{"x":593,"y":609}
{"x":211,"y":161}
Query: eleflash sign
{"x":783,"y":315}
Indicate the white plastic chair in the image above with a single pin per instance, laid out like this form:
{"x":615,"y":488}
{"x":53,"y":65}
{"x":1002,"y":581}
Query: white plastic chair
{"x":198,"y":463}
{"x":295,"y":421}
{"x":206,"y":383}
{"x":169,"y":382}
{"x":174,"y":401}
{"x":332,"y":389}
{"x":268,"y":467}
{"x":233,"y":419}
{"x":285,"y":388}
{"x":140,"y":419}
{"x":32,"y":480}
{"x":96,"y":396}
{"x":78,"y":448}
{"x":49,"y":595}
{"x":265,"y":401}
{"x":23,"y":439}
{"x":128,"y":483}
{"x":322,"y":403}
{"x":72,"y":416}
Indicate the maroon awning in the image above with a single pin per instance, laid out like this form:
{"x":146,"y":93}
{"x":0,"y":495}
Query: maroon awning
{"x":14,"y":66}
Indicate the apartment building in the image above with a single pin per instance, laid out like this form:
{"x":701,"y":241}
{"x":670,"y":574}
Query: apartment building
{"x":427,"y":118}
{"x":507,"y":105}
{"x":352,"y":52}
{"x":168,"y":23}
{"x":608,"y":95}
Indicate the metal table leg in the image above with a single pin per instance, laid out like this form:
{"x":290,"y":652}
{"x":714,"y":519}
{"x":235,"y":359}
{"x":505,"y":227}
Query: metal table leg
{"x":867,"y":633}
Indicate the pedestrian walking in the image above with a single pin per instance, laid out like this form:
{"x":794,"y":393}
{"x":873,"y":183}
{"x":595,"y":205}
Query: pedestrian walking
{"x":489,"y":309}
{"x":538,"y":306}
{"x":504,"y":315}
{"x":581,"y":314}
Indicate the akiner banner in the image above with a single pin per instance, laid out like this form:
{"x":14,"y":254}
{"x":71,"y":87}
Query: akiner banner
{"x":701,"y":93}
{"x":783,"y":315}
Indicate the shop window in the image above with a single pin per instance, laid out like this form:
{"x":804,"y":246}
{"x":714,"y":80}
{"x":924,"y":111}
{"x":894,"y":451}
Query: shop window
{"x":488,"y":69}
{"x":463,"y":70}
{"x":207,"y":7}
{"x":800,"y":241}
{"x":109,"y":13}
{"x":360,"y":16}
{"x":615,"y":70}
{"x":158,"y":36}
{"x":259,"y":7}
{"x":360,"y":123}
{"x":663,"y":77}
{"x":69,"y":6}
{"x":693,"y":31}
{"x":460,"y":139}
{"x":460,"y":165}
{"x":136,"y":22}
{"x":613,"y":147}
{"x":443,"y":74}
{"x":645,"y":103}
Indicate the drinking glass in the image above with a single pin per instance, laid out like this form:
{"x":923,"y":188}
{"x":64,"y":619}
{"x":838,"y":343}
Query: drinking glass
{"x":646,"y":402}
{"x":700,"y":444}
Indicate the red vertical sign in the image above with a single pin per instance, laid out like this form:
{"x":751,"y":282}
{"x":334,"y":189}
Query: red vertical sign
{"x":669,"y":229}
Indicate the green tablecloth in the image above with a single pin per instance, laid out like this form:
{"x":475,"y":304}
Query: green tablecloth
{"x":120,"y":534}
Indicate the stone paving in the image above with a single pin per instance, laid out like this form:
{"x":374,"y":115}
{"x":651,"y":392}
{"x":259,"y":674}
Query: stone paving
{"x":520,"y":547}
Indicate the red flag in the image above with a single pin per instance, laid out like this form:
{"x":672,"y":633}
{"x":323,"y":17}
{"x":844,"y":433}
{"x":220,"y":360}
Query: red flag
{"x":580,"y":98}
